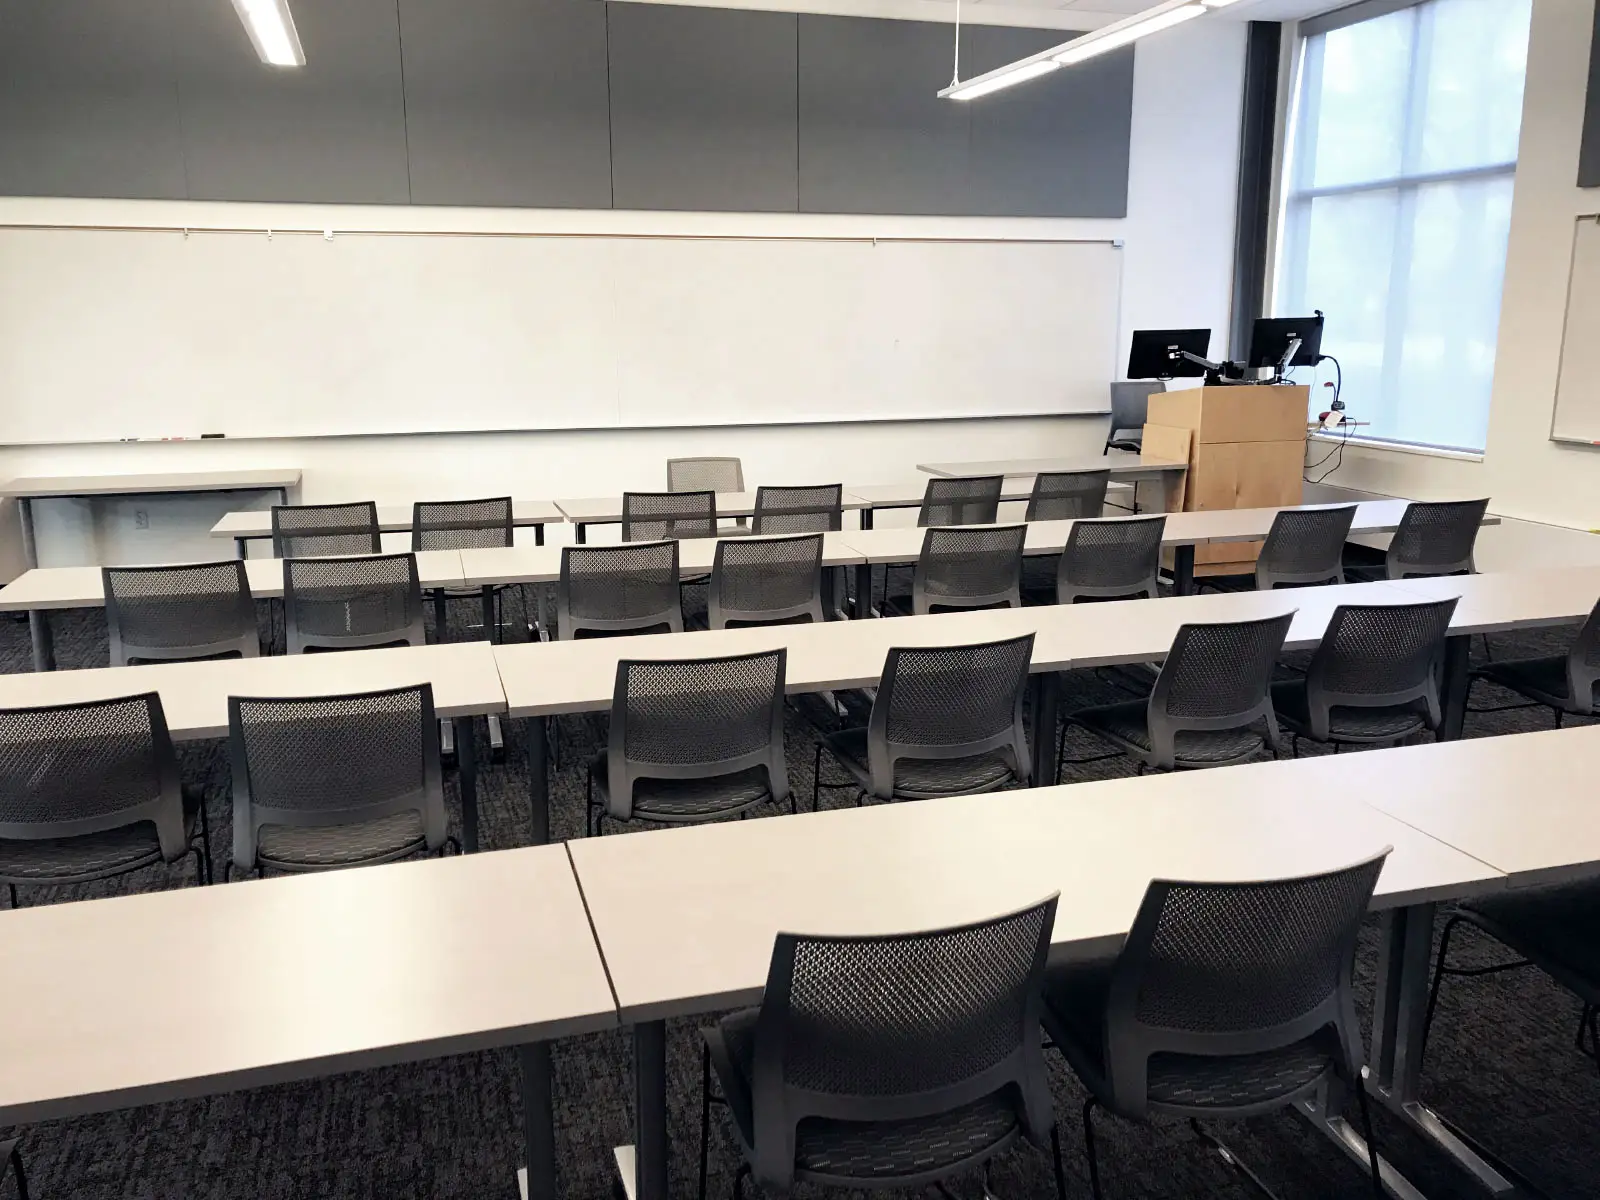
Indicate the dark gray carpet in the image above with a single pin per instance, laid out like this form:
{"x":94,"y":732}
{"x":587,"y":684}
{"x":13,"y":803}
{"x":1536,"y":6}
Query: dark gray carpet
{"x":1501,"y":1062}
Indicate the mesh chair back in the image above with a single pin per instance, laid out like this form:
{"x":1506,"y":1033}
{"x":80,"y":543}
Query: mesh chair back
{"x":1378,"y":656}
{"x":352,"y":603}
{"x":163,"y":614}
{"x":1216,"y":676}
{"x":1305,"y":545}
{"x":949,"y":702}
{"x":334,"y":760}
{"x":799,"y":509}
{"x":652,"y":516}
{"x":961,"y":500}
{"x":1224,"y":969}
{"x":1130,"y":406}
{"x":1111,"y":559}
{"x":1583,"y":664}
{"x":631,"y":588}
{"x":307,"y":530}
{"x":73,"y":769}
{"x":765,"y":581}
{"x":969,"y":567}
{"x":1436,"y":538}
{"x":1067,"y":495}
{"x":896,"y":1027}
{"x":705,"y":475}
{"x":461,"y":524}
{"x":696,"y":719}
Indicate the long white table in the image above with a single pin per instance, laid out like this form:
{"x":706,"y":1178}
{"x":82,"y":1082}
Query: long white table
{"x":166,"y":995}
{"x":27,"y":489}
{"x":584,"y":511}
{"x":256,"y":524}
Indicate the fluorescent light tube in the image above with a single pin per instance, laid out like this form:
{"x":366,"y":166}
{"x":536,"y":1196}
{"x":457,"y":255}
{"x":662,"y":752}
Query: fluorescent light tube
{"x":993,"y":83}
{"x":1090,"y":45}
{"x":272,"y":32}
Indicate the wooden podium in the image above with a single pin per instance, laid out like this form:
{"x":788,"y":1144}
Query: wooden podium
{"x":1246,"y":448}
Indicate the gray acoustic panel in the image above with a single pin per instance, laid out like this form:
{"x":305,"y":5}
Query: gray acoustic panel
{"x":332,"y":131}
{"x":702,"y":108}
{"x":87,"y":101}
{"x":506,"y":102}
{"x":874,"y":137}
{"x":1051,"y":147}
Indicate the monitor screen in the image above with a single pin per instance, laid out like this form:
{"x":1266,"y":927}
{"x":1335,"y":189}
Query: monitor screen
{"x":1156,"y":353}
{"x":1271,"y":336}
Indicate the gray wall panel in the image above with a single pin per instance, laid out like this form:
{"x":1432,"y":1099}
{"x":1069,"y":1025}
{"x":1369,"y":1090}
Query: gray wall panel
{"x":332,"y":132}
{"x":87,"y":101}
{"x":874,"y":136}
{"x":1056,"y":146}
{"x":702,"y":108}
{"x":506,"y":102}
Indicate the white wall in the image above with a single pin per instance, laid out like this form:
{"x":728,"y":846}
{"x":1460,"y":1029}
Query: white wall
{"x":1525,"y":474}
{"x":1178,"y":270}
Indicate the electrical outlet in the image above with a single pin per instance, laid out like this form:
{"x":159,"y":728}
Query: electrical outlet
{"x":141,"y":518}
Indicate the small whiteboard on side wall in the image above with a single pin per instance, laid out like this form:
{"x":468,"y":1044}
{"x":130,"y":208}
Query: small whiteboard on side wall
{"x":1577,"y":411}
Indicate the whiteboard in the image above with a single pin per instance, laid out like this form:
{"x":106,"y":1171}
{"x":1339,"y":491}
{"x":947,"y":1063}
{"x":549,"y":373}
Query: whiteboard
{"x":1577,"y":411}
{"x":114,"y":334}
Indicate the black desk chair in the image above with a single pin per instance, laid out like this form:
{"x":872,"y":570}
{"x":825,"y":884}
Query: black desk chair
{"x":91,"y":791}
{"x":691,"y":740}
{"x":965,"y":567}
{"x":1130,"y":405}
{"x":961,"y":500}
{"x":1211,"y":705}
{"x":352,"y":603}
{"x":1227,"y":1000}
{"x":1109,"y":560}
{"x":1374,"y":678}
{"x":706,"y":474}
{"x":766,"y":581}
{"x":1067,"y":495}
{"x":181,"y":613}
{"x":1305,"y":546}
{"x":335,"y":781}
{"x":1567,"y":683}
{"x":308,"y":530}
{"x":848,"y":1076}
{"x":655,"y":516}
{"x":611,"y":590}
{"x":1433,"y":538}
{"x":817,"y":509}
{"x":946,"y":721}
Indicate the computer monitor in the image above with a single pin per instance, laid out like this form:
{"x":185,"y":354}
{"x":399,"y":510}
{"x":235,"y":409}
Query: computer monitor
{"x":1273,"y":338}
{"x":1159,"y":353}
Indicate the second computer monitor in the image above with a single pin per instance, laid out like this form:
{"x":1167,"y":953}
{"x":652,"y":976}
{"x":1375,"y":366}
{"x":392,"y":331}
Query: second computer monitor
{"x":1271,"y":337}
{"x":1159,"y":353}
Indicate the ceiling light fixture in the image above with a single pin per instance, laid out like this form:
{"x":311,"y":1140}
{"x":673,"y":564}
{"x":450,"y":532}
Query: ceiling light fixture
{"x":271,"y":28}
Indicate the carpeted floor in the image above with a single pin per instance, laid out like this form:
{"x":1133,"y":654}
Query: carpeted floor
{"x":1501,"y":1062}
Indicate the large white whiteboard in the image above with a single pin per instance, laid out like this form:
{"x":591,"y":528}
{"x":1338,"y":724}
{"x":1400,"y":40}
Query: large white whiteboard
{"x":108,"y":334}
{"x":1577,"y":411}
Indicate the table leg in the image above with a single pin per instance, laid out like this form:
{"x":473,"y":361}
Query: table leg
{"x":650,"y":1110}
{"x":538,"y":780}
{"x":863,"y":606}
{"x":241,"y":548}
{"x":580,"y":532}
{"x":866,"y":517}
{"x":1045,"y":695}
{"x":491,"y":627}
{"x":30,"y":549}
{"x":538,"y":1122}
{"x":1325,"y":1113}
{"x":467,"y":765}
{"x":1183,"y":571}
{"x":44,"y":647}
{"x":1453,"y":686}
{"x":538,"y":535}
{"x":441,"y":617}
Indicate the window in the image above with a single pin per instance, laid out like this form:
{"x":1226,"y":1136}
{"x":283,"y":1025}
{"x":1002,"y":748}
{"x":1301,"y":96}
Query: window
{"x":1397,"y":204}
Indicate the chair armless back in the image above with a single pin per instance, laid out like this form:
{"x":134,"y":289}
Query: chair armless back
{"x":631,"y":588}
{"x":653,"y":516}
{"x":818,"y":509}
{"x":167,"y":614}
{"x":705,"y":475}
{"x":765,"y":581}
{"x":307,"y":530}
{"x":1111,"y":559}
{"x":461,"y":524}
{"x":352,"y":603}
{"x":1216,"y":676}
{"x":1305,"y":546}
{"x":1067,"y":495}
{"x":961,"y":500}
{"x":1435,"y":538}
{"x":1378,"y":656}
{"x":1583,"y":663}
{"x":969,"y":567}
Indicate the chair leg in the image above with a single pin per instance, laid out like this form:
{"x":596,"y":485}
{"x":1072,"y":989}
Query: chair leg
{"x":816,"y":778}
{"x":1232,"y":1160}
{"x":705,"y":1114}
{"x":1055,"y":1155}
{"x":1559,"y":716}
{"x":205,"y":842}
{"x":199,"y":866}
{"x":12,"y":888}
{"x":1089,"y":1150}
{"x":15,"y":1159}
{"x":738,"y":1181}
{"x":1438,"y":978}
{"x":1372,"y":1145}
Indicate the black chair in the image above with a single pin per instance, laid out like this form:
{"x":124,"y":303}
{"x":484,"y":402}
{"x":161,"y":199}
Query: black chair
{"x":1130,"y":405}
{"x":308,"y":530}
{"x":1568,"y":683}
{"x":961,"y":500}
{"x":946,"y":721}
{"x":887,"y":1062}
{"x":609,"y":590}
{"x":461,"y":524}
{"x":92,"y":790}
{"x":1433,"y":538}
{"x":692,"y":740}
{"x":352,"y":603}
{"x":335,"y":781}
{"x":965,"y":567}
{"x":1305,"y":546}
{"x":180,"y":613}
{"x":818,"y":509}
{"x":1111,"y":560}
{"x":1067,"y":495}
{"x":1374,"y":678}
{"x":1211,"y":705}
{"x":706,"y":475}
{"x":12,"y":1154}
{"x":654,"y":516}
{"x":1225,"y":1001}
{"x":766,"y":581}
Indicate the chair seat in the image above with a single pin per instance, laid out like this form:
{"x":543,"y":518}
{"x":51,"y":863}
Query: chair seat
{"x":307,"y":847}
{"x":1128,"y":726}
{"x":91,"y":855}
{"x":922,"y":778}
{"x":1346,"y":724}
{"x":1541,"y":679}
{"x":1075,"y":1004}
{"x":687,"y":799}
{"x":1553,"y":927}
{"x":840,"y":1151}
